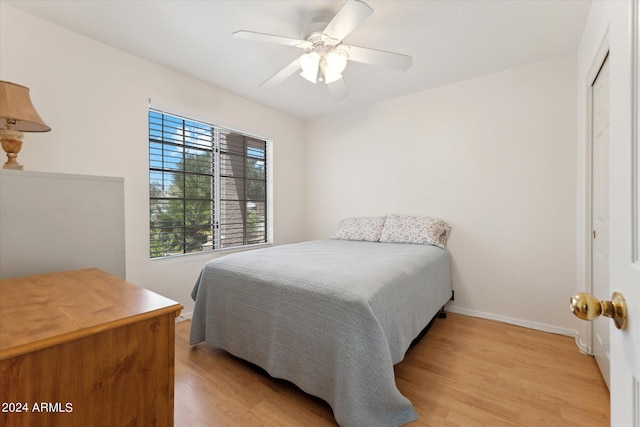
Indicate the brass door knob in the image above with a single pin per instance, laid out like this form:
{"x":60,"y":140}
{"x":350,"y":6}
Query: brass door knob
{"x":587,"y":307}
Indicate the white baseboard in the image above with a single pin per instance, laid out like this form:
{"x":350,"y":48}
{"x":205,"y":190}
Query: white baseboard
{"x":512,"y":321}
{"x":184,"y":316}
{"x":582,"y":346}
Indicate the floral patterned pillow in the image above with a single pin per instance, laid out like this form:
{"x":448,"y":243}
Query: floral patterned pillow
{"x":415,"y":229}
{"x":360,"y":228}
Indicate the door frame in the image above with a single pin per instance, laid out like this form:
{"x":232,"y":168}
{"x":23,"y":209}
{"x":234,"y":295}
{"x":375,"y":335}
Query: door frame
{"x":584,"y":336}
{"x":601,"y":328}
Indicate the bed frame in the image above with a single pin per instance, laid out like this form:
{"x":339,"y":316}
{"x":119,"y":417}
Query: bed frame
{"x":441,"y":314}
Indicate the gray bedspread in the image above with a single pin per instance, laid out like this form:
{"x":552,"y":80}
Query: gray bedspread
{"x":331,"y":316}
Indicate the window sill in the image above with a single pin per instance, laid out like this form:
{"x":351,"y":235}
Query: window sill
{"x":207,"y":255}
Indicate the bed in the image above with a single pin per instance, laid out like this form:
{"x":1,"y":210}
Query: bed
{"x":331,"y":316}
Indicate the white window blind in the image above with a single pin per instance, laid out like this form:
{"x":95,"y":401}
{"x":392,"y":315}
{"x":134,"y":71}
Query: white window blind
{"x":207,"y":186}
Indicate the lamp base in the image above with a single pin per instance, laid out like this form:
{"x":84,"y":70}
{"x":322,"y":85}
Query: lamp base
{"x":11,"y":144}
{"x":14,"y":166}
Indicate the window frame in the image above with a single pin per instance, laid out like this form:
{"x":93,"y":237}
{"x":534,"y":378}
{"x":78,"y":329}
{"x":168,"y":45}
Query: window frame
{"x":217,"y":216}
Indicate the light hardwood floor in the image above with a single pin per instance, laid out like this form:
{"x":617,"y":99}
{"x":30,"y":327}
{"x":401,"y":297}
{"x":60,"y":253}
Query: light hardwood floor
{"x":464,"y":372}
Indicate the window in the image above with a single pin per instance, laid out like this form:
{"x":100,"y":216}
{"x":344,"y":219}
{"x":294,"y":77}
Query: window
{"x":207,"y":186}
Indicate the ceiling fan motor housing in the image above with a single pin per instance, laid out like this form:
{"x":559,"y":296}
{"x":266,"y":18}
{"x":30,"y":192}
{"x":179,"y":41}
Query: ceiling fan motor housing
{"x":314,"y":33}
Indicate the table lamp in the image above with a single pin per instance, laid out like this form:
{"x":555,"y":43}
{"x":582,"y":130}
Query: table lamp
{"x":17,"y":115}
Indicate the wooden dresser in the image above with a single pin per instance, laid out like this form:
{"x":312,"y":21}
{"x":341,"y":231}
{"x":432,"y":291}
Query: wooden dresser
{"x":85,"y":348}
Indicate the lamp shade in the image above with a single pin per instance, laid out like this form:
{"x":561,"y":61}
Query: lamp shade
{"x":15,"y":104}
{"x":309,"y":64}
{"x":335,"y":62}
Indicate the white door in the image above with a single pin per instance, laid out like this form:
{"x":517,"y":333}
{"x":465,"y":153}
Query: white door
{"x":600,"y":210}
{"x":624,"y":211}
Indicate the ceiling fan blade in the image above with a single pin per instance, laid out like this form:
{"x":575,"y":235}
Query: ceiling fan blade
{"x":380,"y":58}
{"x":282,"y":75}
{"x":269,"y":38}
{"x":338,"y":89}
{"x":349,"y":17}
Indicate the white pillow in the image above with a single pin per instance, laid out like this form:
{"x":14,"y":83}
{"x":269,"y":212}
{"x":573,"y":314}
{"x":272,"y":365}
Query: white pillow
{"x":360,"y":228}
{"x":415,"y":229}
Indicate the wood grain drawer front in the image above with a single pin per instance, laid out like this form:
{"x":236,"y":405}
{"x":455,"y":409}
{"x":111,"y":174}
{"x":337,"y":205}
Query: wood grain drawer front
{"x":118,"y":377}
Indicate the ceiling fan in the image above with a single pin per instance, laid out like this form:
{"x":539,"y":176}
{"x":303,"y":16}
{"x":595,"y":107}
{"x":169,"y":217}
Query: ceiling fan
{"x":325,"y":56}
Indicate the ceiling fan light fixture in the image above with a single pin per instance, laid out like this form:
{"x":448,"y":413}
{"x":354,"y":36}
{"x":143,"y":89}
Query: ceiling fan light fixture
{"x":310,"y":64}
{"x":332,"y":65}
{"x":312,"y":76}
{"x":330,"y":77}
{"x":335,"y":62}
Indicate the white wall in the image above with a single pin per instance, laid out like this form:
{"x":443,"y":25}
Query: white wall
{"x":494,"y":156}
{"x":95,"y":99}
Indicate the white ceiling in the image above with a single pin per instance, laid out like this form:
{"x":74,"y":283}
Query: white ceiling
{"x":449,"y":41}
